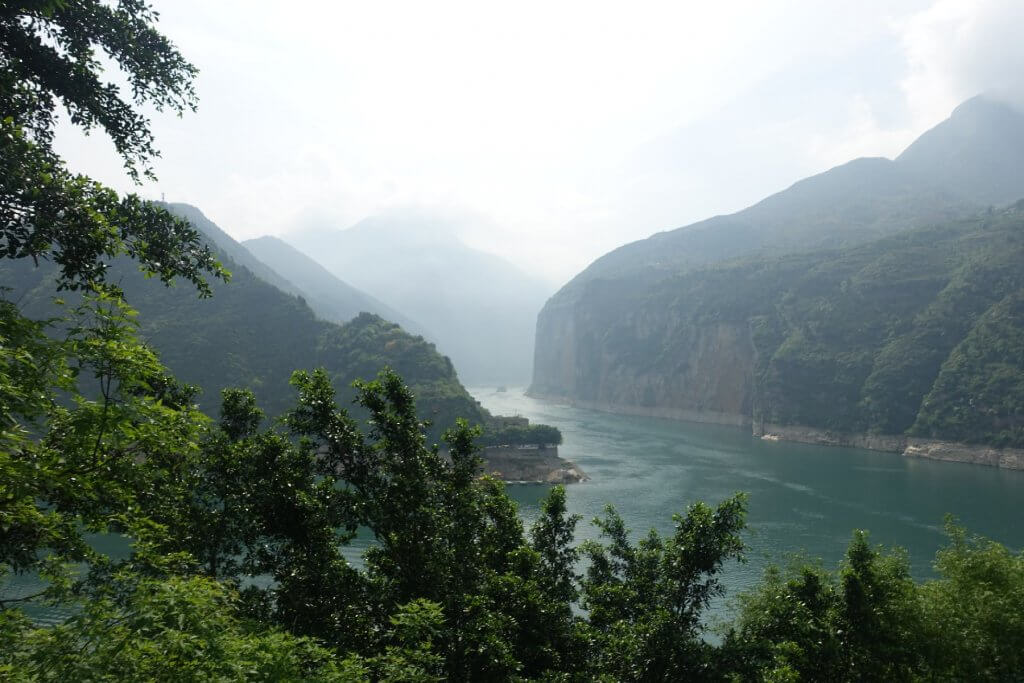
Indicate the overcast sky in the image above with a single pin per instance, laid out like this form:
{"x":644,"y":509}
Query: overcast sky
{"x":561,"y":129}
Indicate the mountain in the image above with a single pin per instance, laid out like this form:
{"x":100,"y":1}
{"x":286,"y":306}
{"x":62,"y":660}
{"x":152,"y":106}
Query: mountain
{"x":252,"y":334}
{"x":966,"y":163}
{"x":229,"y":248}
{"x":848,"y":302}
{"x":978,"y":150}
{"x":479,"y":309}
{"x":332,"y":299}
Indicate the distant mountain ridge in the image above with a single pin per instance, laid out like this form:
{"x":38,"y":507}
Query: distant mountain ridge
{"x":330,"y":297}
{"x":966,"y":163}
{"x":977,"y":151}
{"x":478,"y":308}
{"x":746,"y":318}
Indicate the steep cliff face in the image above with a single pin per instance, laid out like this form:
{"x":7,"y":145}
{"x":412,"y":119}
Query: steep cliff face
{"x":554,"y":358}
{"x":838,"y":304}
{"x":709,"y":377}
{"x":616,"y":348}
{"x":920,"y":334}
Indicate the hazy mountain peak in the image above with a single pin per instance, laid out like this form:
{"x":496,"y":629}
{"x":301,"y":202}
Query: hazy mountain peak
{"x":479,"y":308}
{"x":330,"y":297}
{"x":978,"y":151}
{"x":984,"y":106}
{"x":410,"y":224}
{"x":972,"y":159}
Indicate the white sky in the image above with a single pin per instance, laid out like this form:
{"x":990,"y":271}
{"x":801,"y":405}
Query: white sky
{"x":566,"y":128}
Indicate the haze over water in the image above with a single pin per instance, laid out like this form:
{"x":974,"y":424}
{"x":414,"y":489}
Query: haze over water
{"x":802,"y":498}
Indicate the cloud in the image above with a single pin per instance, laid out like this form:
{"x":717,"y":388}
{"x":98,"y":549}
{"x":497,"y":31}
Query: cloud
{"x":951,"y":51}
{"x":569,"y":128}
{"x":960,"y":48}
{"x":864,"y":134}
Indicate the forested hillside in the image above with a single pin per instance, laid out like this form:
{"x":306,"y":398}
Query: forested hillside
{"x":251,"y":334}
{"x":917,"y":333}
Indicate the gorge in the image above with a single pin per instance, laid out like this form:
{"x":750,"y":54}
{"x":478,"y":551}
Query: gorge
{"x":877,"y":304}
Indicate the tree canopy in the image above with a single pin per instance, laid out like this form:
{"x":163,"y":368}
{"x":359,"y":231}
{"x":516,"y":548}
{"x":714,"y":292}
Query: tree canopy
{"x":50,"y":60}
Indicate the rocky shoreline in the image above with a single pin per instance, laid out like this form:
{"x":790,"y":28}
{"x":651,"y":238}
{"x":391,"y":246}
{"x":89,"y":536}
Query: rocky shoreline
{"x":678,"y":414}
{"x":530,"y":466}
{"x":907,"y":446}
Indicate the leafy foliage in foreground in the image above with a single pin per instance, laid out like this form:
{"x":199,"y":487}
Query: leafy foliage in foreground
{"x":869,"y":621}
{"x":48,"y":59}
{"x":237,"y":571}
{"x":454,"y":587}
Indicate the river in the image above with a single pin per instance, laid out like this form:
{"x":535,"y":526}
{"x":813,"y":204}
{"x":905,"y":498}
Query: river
{"x":803,"y":499}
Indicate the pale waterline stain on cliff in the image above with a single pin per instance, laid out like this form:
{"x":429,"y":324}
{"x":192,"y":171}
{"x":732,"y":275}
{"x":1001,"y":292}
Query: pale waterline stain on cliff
{"x":907,"y":446}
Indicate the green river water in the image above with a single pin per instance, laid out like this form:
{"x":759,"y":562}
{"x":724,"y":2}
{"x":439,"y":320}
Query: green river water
{"x":802,"y":498}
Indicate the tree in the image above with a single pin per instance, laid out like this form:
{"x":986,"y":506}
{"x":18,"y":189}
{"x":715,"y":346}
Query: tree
{"x":73,"y":460}
{"x":974,"y":613}
{"x":95,"y":431}
{"x":646,"y":600}
{"x":170,"y":629}
{"x":862,"y":622}
{"x":49,"y":59}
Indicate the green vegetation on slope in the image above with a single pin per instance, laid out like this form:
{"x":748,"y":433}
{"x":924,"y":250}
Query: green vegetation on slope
{"x":980,"y":388}
{"x":250,"y":334}
{"x":816,"y":306}
{"x":914,"y":333}
{"x":862,"y":336}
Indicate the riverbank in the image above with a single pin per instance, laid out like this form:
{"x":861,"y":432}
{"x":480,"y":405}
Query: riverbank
{"x":678,"y":414}
{"x":530,"y":466}
{"x":907,"y":446}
